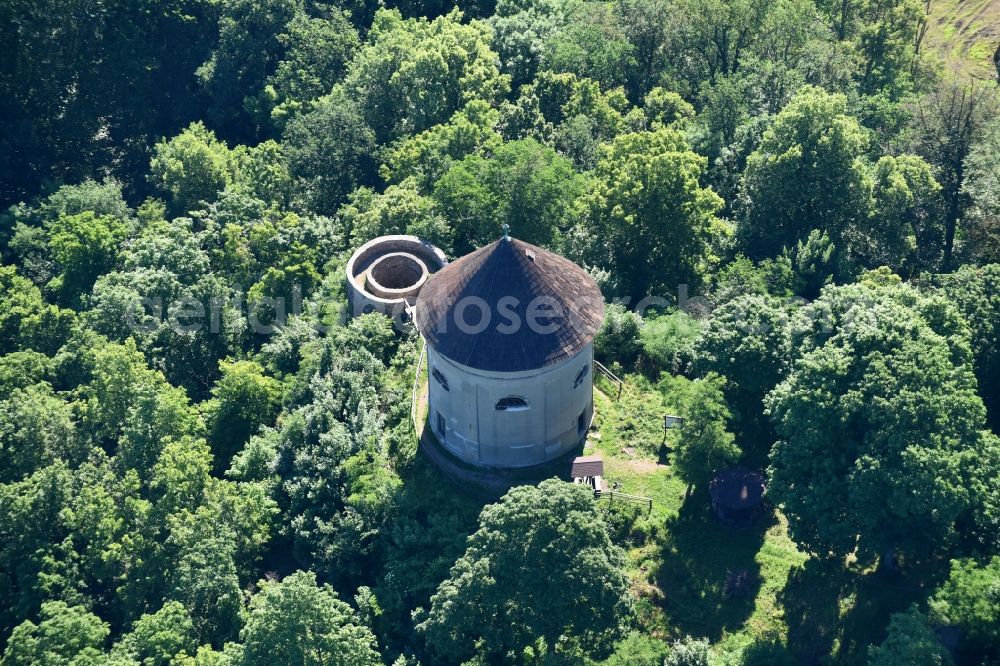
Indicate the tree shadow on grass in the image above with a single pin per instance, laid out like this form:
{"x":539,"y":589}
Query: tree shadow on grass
{"x":811,"y":601}
{"x":835,"y":611}
{"x":709,"y":574}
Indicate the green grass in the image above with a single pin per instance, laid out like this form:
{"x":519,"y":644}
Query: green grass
{"x":792,"y":608}
{"x":965,"y":34}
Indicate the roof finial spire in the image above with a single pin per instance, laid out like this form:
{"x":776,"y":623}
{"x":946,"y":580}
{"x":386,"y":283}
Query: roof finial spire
{"x":506,"y":232}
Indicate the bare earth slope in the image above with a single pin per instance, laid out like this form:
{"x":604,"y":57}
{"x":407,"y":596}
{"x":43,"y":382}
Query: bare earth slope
{"x":966,"y":34}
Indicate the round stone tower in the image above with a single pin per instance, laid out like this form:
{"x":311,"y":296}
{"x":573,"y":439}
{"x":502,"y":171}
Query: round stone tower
{"x":509,"y":331}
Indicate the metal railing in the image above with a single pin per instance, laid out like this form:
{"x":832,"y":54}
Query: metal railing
{"x":611,"y":377}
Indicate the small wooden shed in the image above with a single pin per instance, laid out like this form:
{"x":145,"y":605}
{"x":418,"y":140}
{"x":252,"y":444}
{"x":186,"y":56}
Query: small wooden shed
{"x":589,"y":470}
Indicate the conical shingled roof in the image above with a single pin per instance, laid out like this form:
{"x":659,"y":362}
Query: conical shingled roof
{"x":512,"y":279}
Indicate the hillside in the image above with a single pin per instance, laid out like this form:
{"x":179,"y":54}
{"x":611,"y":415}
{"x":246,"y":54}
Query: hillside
{"x":966,"y":34}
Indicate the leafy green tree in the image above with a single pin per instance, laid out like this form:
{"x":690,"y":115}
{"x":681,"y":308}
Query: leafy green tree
{"x":648,"y":209}
{"x":92,"y":85}
{"x":747,"y":340}
{"x":590,"y":44}
{"x":646,"y":25}
{"x":806,"y":174}
{"x":243,"y":400}
{"x":980,"y":226}
{"x":688,"y":652}
{"x":667,"y":340}
{"x":946,"y":124}
{"x":521,"y":30}
{"x":976,"y":294}
{"x":428,"y":155}
{"x":83,"y":247}
{"x":65,"y":636}
{"x":248,"y":49}
{"x":317,"y":51}
{"x":619,"y":338}
{"x":415,"y":73}
{"x":704,"y":445}
{"x":159,"y":638}
{"x":525,"y":185}
{"x":399,"y":209}
{"x":910,"y":640}
{"x":879,"y":423}
{"x":26,"y":321}
{"x":36,"y":428}
{"x":665,"y":107}
{"x":297,"y":621}
{"x":192,"y":168}
{"x":906,"y":229}
{"x":330,"y":152}
{"x":541,"y":569}
{"x":970,"y":599}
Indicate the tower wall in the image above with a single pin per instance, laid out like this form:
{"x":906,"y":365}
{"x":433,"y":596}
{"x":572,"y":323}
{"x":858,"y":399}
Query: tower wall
{"x":559,"y":410}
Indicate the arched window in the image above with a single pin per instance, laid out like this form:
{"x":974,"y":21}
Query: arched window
{"x":580,"y":376}
{"x":440,"y":379}
{"x":511,"y":404}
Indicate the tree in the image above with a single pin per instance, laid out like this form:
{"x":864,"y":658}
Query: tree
{"x":65,"y":636}
{"x":401,"y":209}
{"x":299,"y":622}
{"x":159,"y":638}
{"x":970,"y":599}
{"x":880,"y":424}
{"x":590,"y":44}
{"x":540,"y":571}
{"x":807,"y":174}
{"x":906,"y":228}
{"x":646,"y":24}
{"x":618,"y":339}
{"x":316,"y":57}
{"x":426,"y":156}
{"x":648,"y":209}
{"x":415,"y":73}
{"x":910,"y":640}
{"x":747,"y":341}
{"x":975,"y":291}
{"x":704,"y":445}
{"x":243,"y":400}
{"x":525,"y":185}
{"x":521,"y":30}
{"x":980,"y":226}
{"x":192,"y":168}
{"x":248,"y":49}
{"x":688,"y":652}
{"x":83,"y":247}
{"x":330,"y":152}
{"x":947,"y":123}
{"x":36,"y":428}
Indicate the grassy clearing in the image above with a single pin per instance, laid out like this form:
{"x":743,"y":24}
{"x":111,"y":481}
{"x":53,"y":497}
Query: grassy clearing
{"x":965,"y":34}
{"x":751,"y":592}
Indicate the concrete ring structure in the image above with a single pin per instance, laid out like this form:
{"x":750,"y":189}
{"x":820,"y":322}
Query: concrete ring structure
{"x":387,"y":273}
{"x":396,"y":275}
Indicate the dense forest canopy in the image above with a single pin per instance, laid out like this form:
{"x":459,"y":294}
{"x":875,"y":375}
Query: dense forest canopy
{"x":792,"y":208}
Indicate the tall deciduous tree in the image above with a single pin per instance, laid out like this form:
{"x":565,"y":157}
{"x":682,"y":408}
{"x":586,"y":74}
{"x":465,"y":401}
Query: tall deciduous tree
{"x":947,"y":123}
{"x":806,"y":174}
{"x":652,"y":222}
{"x":880,"y":424}
{"x":302,"y":622}
{"x":541,"y":569}
{"x":705,"y":445}
{"x":747,"y":341}
{"x":415,"y":73}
